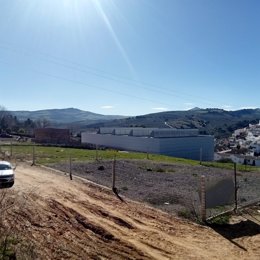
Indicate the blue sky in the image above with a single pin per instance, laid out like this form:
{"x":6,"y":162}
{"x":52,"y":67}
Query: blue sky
{"x":129,"y":57}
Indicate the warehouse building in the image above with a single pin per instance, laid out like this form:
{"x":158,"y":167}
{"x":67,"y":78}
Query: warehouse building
{"x":183,"y":143}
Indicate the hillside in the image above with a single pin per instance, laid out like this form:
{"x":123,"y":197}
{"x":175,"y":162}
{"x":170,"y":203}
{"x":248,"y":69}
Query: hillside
{"x":50,"y":217}
{"x":64,"y":116}
{"x":216,"y":122}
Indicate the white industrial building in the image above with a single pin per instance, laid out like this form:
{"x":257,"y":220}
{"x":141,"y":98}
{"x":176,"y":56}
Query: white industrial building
{"x":183,"y":143}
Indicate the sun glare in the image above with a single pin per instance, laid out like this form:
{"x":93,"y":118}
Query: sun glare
{"x":98,"y":6}
{"x":82,"y":13}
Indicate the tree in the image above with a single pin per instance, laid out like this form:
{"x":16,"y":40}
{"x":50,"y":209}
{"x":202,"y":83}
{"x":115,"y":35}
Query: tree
{"x":8,"y":122}
{"x":3,"y":114}
{"x":42,"y":123}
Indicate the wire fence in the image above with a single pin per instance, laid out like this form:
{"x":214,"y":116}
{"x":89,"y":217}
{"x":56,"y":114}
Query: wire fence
{"x":171,"y":186}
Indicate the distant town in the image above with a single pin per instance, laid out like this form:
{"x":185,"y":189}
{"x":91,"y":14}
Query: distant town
{"x":242,"y":147}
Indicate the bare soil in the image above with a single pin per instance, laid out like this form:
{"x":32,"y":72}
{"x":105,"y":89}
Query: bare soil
{"x":64,"y":219}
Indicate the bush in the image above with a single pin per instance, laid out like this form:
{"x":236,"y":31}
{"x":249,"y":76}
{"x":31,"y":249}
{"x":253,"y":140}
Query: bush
{"x":220,"y":220}
{"x":225,"y":160}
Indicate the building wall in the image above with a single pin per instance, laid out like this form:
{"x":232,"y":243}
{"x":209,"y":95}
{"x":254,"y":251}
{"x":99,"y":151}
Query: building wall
{"x":249,"y":161}
{"x":52,"y":135}
{"x":256,"y":148}
{"x":189,"y":147}
{"x":184,"y":147}
{"x":142,"y":144}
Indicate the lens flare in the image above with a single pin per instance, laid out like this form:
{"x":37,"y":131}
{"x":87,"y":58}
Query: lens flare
{"x":111,"y":30}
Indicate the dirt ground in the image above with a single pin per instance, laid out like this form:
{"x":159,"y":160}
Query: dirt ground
{"x":173,"y":188}
{"x":63,"y":219}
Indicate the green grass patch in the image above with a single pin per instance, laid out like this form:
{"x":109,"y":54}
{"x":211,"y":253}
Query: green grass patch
{"x":220,"y":220}
{"x":230,"y":166}
{"x":7,"y":247}
{"x":48,"y":154}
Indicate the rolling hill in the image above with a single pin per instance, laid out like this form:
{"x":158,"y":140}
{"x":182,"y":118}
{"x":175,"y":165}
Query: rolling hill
{"x":64,"y":116}
{"x":218,"y":122}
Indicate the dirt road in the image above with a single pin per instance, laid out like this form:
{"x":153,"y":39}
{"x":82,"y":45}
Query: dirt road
{"x":65,"y":219}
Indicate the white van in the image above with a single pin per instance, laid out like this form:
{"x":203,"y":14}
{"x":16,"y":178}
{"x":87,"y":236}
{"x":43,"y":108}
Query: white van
{"x":6,"y":174}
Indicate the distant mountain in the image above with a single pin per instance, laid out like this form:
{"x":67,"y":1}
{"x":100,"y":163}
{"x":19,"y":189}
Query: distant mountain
{"x":195,"y":109}
{"x":217,"y":122}
{"x":64,"y":116}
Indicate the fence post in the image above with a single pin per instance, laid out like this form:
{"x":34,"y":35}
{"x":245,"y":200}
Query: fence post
{"x":11,"y":149}
{"x":114,"y":174}
{"x":33,"y":155}
{"x":96,"y":152}
{"x":70,"y":171}
{"x":235,"y":183}
{"x":200,"y":155}
{"x":203,"y":198}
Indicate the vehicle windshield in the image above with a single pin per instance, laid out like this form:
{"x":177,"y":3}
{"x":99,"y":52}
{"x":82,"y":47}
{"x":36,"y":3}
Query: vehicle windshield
{"x":5,"y":167}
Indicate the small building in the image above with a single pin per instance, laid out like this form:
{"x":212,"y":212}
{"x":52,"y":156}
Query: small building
{"x":52,"y":136}
{"x":245,"y":159}
{"x":183,"y":143}
{"x":256,"y":147}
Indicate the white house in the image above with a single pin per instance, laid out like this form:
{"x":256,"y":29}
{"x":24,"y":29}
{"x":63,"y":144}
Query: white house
{"x":245,"y":159}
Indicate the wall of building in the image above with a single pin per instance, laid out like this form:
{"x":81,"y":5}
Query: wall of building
{"x":52,"y":135}
{"x":189,"y":147}
{"x":245,"y":159}
{"x":123,"y":142}
{"x":183,"y":147}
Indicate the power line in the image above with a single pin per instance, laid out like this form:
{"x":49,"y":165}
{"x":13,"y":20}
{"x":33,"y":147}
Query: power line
{"x":91,"y":86}
{"x":102,"y":74}
{"x":102,"y":88}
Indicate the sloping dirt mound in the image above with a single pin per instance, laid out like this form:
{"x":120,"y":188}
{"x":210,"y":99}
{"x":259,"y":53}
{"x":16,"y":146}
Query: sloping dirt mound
{"x":63,"y":219}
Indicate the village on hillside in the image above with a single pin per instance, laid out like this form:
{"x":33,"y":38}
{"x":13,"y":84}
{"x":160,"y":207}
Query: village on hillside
{"x":242,"y":147}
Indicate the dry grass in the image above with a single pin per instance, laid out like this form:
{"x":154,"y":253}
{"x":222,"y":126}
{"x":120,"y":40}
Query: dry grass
{"x":12,"y":245}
